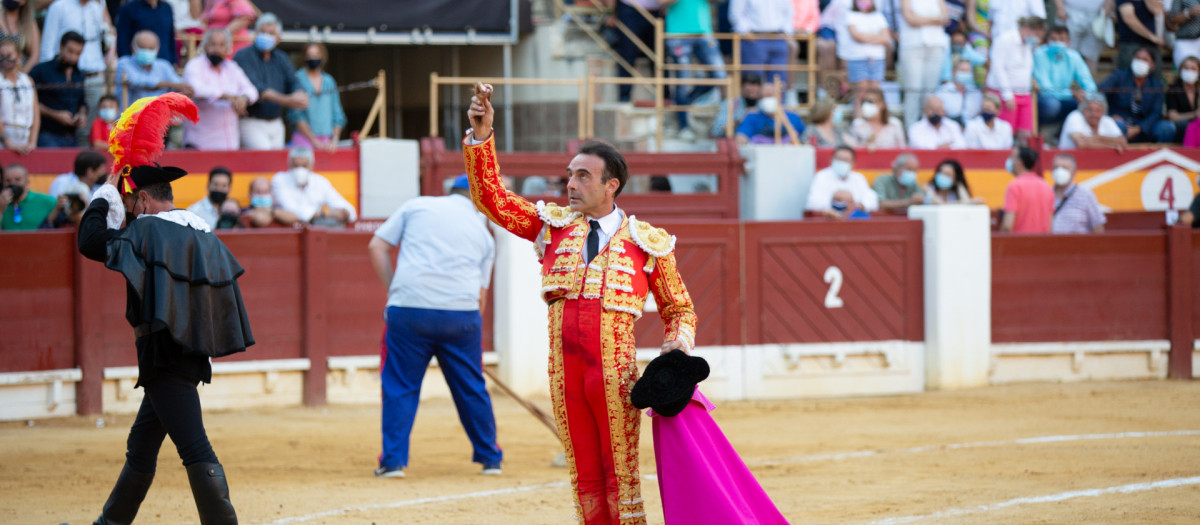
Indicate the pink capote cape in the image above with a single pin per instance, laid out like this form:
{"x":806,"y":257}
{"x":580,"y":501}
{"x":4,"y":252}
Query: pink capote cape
{"x":701,"y":478}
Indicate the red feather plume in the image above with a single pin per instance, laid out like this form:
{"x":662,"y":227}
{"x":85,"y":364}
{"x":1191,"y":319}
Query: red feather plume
{"x":137,"y":137}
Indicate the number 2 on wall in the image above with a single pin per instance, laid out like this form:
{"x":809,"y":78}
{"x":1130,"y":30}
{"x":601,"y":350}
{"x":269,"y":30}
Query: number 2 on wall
{"x":833,"y":276}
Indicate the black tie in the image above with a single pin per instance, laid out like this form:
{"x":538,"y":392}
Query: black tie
{"x":593,"y":241}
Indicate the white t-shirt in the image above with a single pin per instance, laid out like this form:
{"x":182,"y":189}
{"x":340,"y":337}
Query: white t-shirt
{"x":1075,"y":123}
{"x":825,"y":183}
{"x":980,"y":136}
{"x":868,"y":23}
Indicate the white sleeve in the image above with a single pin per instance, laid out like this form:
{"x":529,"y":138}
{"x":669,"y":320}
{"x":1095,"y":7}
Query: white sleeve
{"x":1109,"y":128}
{"x":818,"y":194}
{"x":959,"y":142}
{"x":51,"y":34}
{"x":919,"y":139}
{"x":870,"y":199}
{"x":393,"y":228}
{"x":334,"y":200}
{"x":971,"y":137}
{"x":116,"y":208}
{"x":485,"y":266}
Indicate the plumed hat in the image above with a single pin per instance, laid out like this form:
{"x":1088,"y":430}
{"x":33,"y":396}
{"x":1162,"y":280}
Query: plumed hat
{"x":136,"y":140}
{"x":668,"y":382}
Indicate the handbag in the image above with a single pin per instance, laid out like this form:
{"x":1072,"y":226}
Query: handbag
{"x":1104,"y":30}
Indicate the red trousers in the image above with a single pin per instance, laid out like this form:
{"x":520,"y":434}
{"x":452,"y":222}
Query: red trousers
{"x":592,"y":369}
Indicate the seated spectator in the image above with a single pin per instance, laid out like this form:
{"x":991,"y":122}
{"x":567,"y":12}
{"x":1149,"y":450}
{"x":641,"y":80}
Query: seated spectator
{"x":986,"y":131}
{"x":960,"y":51}
{"x":751,"y":93}
{"x":263,"y":212}
{"x":949,"y":185}
{"x":18,"y":103}
{"x":1135,"y":101}
{"x":1091,"y":128}
{"x":1055,"y":68}
{"x":1076,"y":209}
{"x":21,"y":28}
{"x":765,"y":16}
{"x":234,"y":16}
{"x":900,"y":189}
{"x":961,"y":98}
{"x":70,"y":206}
{"x":143,"y":74}
{"x":935,"y":131}
{"x":154,"y":16}
{"x":229,"y":216}
{"x":825,"y":122}
{"x":863,"y":42}
{"x":273,"y":75}
{"x":222,"y":94}
{"x":319,"y":126}
{"x":1011,"y":73}
{"x":837,"y":177}
{"x":91,"y":167}
{"x":24,"y":210}
{"x":843,"y":206}
{"x":62,"y":107}
{"x":759,"y":125}
{"x":220,"y":180}
{"x":1191,"y":137}
{"x":106,"y":116}
{"x":1028,"y":200}
{"x":876,"y":128}
{"x":304,"y":196}
{"x":1183,"y":97}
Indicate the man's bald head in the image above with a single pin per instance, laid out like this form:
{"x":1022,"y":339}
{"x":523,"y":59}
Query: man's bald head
{"x":260,"y":186}
{"x":145,"y":39}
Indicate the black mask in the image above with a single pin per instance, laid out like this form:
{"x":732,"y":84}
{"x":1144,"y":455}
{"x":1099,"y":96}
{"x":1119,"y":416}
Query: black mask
{"x":11,"y":5}
{"x":129,"y":218}
{"x":313,"y":63}
{"x":228,"y":221}
{"x":217,"y":197}
{"x":17,"y":191}
{"x":215,"y":59}
{"x":934,"y":119}
{"x":750,"y":102}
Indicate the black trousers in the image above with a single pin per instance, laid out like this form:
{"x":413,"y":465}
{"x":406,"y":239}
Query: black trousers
{"x":171,"y":407}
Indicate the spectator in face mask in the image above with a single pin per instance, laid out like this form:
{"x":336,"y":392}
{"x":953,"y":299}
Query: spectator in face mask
{"x":751,"y":92}
{"x":222,"y":94}
{"x":272,"y":74}
{"x":825,"y":125}
{"x":304,"y":196}
{"x":935,"y":131}
{"x":949,"y":185}
{"x":759,"y":125}
{"x":1076,"y":209}
{"x":1183,"y":97}
{"x":154,"y":16}
{"x":320,"y":125}
{"x":875,"y":128}
{"x":23,"y":209}
{"x":843,"y":207}
{"x":143,"y":74}
{"x":102,"y":126}
{"x":1135,"y":101}
{"x":900,"y":189}
{"x":839,"y":176}
{"x":263,"y":212}
{"x":220,"y":179}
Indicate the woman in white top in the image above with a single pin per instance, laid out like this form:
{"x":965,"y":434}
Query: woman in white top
{"x":923,"y":45}
{"x":863,"y":42}
{"x":986,"y":131}
{"x":1011,"y":73}
{"x":19,"y":116}
{"x":875,"y":128}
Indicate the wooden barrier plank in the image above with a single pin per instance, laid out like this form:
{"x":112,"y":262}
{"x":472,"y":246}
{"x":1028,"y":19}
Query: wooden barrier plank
{"x":1180,"y":292}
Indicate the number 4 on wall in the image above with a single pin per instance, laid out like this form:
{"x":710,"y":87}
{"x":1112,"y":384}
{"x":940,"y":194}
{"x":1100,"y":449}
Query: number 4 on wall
{"x":833,"y":277}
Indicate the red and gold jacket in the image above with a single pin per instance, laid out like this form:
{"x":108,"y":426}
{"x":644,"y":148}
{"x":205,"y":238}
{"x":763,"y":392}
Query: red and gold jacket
{"x":638,"y":260}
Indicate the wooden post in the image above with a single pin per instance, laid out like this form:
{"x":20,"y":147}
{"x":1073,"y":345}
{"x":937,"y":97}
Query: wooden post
{"x":1179,"y":293}
{"x":584,"y":85}
{"x":658,"y":81}
{"x":89,"y":336}
{"x":734,"y":92}
{"x":591,"y":129}
{"x":314,"y":297}
{"x":381,"y":99}
{"x":433,"y":104}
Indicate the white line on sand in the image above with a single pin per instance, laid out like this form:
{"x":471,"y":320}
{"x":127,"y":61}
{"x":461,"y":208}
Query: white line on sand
{"x":418,"y":501}
{"x":1051,"y":498}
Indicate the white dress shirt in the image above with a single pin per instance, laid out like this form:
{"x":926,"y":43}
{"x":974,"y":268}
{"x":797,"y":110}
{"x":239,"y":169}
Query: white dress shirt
{"x":960,"y":104}
{"x":446,"y":254}
{"x":609,"y":224}
{"x":922,"y":135}
{"x":980,"y":136}
{"x":1075,"y":123}
{"x":307,"y":201}
{"x":204,"y":209}
{"x":87,"y":20}
{"x":1011,"y":72}
{"x":762,"y":16}
{"x":825,"y":183}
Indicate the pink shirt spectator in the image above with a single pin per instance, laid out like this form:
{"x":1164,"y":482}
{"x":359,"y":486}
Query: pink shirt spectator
{"x":808,"y":16}
{"x":218,"y":125}
{"x":1191,"y":137}
{"x":1032,"y":200}
{"x":221,"y":13}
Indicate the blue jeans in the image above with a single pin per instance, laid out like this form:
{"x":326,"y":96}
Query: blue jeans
{"x":1053,"y":110}
{"x":1163,"y":133}
{"x":414,"y":335}
{"x":45,"y":139}
{"x":772,"y":52}
{"x":708,"y":53}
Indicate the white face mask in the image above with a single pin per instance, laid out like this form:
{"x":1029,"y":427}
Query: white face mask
{"x":1140,"y":67}
{"x":869,"y":110}
{"x":1062,"y":176}
{"x":768,"y":105}
{"x":301,"y":175}
{"x":1189,"y":76}
{"x":841,"y":168}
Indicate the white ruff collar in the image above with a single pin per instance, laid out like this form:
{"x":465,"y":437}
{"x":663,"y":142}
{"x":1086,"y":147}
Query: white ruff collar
{"x":182,"y":218}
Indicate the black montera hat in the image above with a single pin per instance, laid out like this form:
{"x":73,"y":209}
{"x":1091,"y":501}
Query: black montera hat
{"x":668,"y":382}
{"x":143,"y":175}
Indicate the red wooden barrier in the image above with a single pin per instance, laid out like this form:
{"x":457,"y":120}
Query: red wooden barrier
{"x":438,"y":164}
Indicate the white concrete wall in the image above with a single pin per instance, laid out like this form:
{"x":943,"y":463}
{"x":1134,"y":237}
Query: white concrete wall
{"x":519,"y":336}
{"x":390,"y":175}
{"x":775,"y":187}
{"x":36,"y":395}
{"x":1083,"y":361}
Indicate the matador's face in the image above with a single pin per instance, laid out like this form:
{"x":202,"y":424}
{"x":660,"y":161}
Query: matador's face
{"x":587,"y":191}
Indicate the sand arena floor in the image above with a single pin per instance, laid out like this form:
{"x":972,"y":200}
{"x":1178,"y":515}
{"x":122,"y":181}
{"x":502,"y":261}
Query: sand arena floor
{"x":1123,"y":452}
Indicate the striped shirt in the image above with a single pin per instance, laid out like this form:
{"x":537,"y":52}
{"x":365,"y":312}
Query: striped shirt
{"x":1080,"y":214}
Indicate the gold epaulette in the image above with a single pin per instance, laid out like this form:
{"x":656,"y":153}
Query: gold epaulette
{"x":656,"y":241}
{"x":555,"y":215}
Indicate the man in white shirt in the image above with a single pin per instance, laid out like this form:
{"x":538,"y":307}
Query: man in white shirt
{"x":960,"y":96}
{"x":90,"y":169}
{"x":303,"y":196}
{"x":838,"y":177}
{"x":1091,"y":128}
{"x":219,"y":181}
{"x":935,"y":131}
{"x":987,"y":131}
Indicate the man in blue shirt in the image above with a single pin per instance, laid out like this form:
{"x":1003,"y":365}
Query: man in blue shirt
{"x":272,"y":73}
{"x":155,"y":16}
{"x":1056,"y":67}
{"x":759,"y":125}
{"x":435,"y":299}
{"x":1135,"y":100}
{"x":60,"y":94}
{"x":144,"y":74}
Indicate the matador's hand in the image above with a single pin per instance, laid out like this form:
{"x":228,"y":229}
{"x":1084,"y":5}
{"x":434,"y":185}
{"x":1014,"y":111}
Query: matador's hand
{"x":673,"y":345}
{"x":481,"y":113}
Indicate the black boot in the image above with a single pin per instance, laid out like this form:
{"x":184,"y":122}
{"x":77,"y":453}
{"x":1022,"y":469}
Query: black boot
{"x":126,"y":497}
{"x":212,"y":494}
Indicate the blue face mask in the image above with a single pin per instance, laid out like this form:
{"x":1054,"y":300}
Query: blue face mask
{"x":965,"y":78}
{"x":145,"y":57}
{"x":1032,"y":41}
{"x":838,"y":206}
{"x":943,"y":181}
{"x":264,"y":42}
{"x":908,"y":178}
{"x":262,"y":201}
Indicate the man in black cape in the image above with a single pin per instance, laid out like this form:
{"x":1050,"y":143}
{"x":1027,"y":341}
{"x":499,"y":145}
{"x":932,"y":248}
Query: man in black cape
{"x":183,"y":301}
